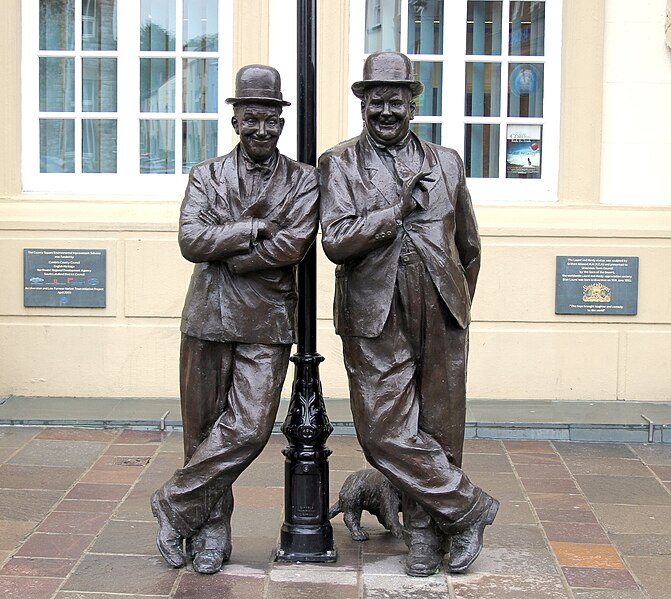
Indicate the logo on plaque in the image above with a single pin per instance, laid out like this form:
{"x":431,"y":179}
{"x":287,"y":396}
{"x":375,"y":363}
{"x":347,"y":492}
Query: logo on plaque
{"x":596,"y":292}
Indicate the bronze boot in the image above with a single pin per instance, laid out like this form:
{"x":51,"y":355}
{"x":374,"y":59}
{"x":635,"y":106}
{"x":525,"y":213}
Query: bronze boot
{"x":168,"y":540}
{"x":467,"y":544}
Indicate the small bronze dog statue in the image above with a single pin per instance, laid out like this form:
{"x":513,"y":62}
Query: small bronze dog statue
{"x":371,"y":491}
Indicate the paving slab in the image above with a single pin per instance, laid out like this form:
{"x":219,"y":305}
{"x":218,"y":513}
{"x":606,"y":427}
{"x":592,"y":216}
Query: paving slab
{"x":562,"y":531}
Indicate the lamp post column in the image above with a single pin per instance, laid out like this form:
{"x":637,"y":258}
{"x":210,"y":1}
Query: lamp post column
{"x":307,"y":534}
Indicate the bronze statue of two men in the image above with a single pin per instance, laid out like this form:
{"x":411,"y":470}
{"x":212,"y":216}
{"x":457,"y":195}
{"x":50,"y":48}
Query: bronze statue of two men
{"x":397,"y":219}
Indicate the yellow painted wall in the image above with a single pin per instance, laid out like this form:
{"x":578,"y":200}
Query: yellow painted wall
{"x":519,"y":348}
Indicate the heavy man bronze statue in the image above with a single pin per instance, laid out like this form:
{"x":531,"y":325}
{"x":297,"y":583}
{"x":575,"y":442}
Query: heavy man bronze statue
{"x":246,"y":220}
{"x":397,"y":219}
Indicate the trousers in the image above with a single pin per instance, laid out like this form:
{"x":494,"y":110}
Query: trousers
{"x":408,"y":399}
{"x":230,"y":394}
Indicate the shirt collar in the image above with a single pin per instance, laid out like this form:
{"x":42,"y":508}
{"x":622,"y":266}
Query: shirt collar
{"x":264,"y":167}
{"x":393,"y":148}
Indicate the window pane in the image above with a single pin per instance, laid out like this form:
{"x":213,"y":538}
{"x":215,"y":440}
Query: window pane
{"x":481,"y":144}
{"x":425,"y":27}
{"x":483,"y":28}
{"x":383,"y":25}
{"x":57,"y":84}
{"x":157,"y":84}
{"x":99,"y":85}
{"x":523,"y":151}
{"x":430,"y":103}
{"x":200,"y":25}
{"x":99,"y":25}
{"x":57,"y":145}
{"x":427,"y":131}
{"x":157,"y":25}
{"x":483,"y":89}
{"x":527,"y":28}
{"x":157,"y":146}
{"x":525,"y":90}
{"x":200,"y":79}
{"x":199,"y":142}
{"x":57,"y":24}
{"x":99,"y":145}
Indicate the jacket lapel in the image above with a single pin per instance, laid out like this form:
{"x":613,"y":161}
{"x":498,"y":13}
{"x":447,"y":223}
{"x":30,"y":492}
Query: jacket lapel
{"x":225,"y":183}
{"x":429,"y":165}
{"x":380,"y":176}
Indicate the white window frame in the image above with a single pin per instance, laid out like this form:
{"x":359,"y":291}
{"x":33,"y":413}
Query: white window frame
{"x":453,"y":119}
{"x":127,"y":180}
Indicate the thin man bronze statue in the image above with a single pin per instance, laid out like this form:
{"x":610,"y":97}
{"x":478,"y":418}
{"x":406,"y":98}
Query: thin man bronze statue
{"x":246,"y":220}
{"x":397,"y":219}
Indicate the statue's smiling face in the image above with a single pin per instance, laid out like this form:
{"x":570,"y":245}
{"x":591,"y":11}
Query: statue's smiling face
{"x":387,"y":111}
{"x":259,"y":127}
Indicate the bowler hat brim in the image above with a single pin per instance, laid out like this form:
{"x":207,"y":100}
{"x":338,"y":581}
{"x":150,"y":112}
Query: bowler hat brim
{"x":257,"y":99}
{"x":359,"y":87}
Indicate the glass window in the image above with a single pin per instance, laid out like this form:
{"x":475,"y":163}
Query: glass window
{"x":383,"y":25}
{"x":124,"y":90}
{"x":490,"y":71}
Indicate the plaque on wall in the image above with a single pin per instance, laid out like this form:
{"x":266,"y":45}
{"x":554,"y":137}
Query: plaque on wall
{"x":64,"y":278}
{"x":597,"y":285}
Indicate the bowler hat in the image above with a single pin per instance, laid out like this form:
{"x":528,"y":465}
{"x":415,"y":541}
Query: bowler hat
{"x":258,"y":83}
{"x":387,"y":68}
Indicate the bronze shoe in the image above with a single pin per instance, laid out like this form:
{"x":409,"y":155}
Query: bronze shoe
{"x":467,"y":544}
{"x":168,"y":540}
{"x":208,"y":561}
{"x":423,"y":560}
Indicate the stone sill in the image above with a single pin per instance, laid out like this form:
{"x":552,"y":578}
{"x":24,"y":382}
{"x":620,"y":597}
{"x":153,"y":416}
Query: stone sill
{"x":31,"y":212}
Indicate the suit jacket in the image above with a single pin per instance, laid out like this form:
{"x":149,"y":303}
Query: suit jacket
{"x":362,"y":233}
{"x":244,"y":290}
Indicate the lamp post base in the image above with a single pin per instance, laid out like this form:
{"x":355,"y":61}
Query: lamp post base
{"x":306,"y":535}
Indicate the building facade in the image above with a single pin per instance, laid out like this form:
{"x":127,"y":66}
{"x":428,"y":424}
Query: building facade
{"x":559,"y":107}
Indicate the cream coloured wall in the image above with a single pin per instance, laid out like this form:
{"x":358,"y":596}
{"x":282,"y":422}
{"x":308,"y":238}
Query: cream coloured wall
{"x":636,"y":144}
{"x":519,"y":348}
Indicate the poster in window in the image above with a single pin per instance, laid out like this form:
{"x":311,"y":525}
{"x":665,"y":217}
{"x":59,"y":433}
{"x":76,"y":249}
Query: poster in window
{"x":524,"y":152}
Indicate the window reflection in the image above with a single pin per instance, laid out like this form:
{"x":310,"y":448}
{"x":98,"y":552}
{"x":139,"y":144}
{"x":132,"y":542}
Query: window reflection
{"x":527,"y":28}
{"x":525,"y":90}
{"x":99,"y":25}
{"x":157,"y":146}
{"x":201,"y":25}
{"x":57,"y":84}
{"x":483,"y":28}
{"x":483,"y":89}
{"x":199,"y":142}
{"x":425,"y":27}
{"x":57,"y":24}
{"x":99,"y":84}
{"x":430,"y":103}
{"x":157,"y":25}
{"x":157,"y":84}
{"x":383,"y":26}
{"x":427,"y":131}
{"x":57,"y":145}
{"x":99,"y":145}
{"x":481,"y":142}
{"x":200,"y":83}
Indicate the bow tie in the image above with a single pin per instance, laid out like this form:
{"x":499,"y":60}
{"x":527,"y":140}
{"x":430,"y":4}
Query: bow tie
{"x":262,"y":168}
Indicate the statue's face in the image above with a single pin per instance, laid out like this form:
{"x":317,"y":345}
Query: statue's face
{"x":387,"y":111}
{"x":259,"y":127}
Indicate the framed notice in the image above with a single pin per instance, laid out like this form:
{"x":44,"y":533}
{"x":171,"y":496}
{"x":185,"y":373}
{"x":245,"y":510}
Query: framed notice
{"x":64,"y":278}
{"x":597,"y":285}
{"x":524,"y":151}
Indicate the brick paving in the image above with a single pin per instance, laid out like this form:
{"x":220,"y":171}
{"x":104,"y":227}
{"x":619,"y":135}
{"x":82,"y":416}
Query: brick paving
{"x":577,"y":521}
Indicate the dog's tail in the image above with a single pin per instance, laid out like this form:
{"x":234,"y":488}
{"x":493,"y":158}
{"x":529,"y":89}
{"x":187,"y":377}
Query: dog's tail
{"x":335,"y":510}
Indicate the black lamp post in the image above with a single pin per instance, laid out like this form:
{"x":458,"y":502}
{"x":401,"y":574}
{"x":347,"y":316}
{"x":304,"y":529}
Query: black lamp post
{"x":307,"y":534}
